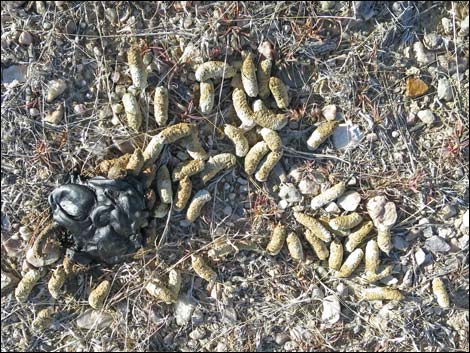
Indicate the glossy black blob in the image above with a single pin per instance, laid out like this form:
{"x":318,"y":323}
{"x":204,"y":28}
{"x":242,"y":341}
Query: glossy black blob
{"x":104,"y":216}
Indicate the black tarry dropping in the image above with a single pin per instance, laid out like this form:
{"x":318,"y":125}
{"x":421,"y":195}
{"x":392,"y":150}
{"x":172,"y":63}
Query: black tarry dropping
{"x":104,"y":217}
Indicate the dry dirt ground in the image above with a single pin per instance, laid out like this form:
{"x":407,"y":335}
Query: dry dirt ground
{"x":355,"y":55}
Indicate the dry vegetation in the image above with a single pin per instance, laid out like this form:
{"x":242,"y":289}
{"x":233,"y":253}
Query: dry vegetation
{"x":356,"y":55}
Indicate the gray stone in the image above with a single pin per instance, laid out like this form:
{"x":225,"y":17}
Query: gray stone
{"x":96,"y":320}
{"x":399,"y":243}
{"x":433,"y":41}
{"x":383,"y":212}
{"x":197,"y":333}
{"x":448,"y":211}
{"x":281,"y":338}
{"x":464,"y":25}
{"x":349,"y":201}
{"x":184,"y":308}
{"x":25,"y":38}
{"x":437,"y":244}
{"x":346,"y":135}
{"x":445,"y":232}
{"x":463,"y":242}
{"x":444,"y":90}
{"x":331,"y":310}
{"x":14,"y":73}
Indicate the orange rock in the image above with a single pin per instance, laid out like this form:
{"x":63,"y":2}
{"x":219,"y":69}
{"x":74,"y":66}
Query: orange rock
{"x":415,"y":87}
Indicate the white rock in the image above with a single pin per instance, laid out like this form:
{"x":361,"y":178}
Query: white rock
{"x":96,"y":320}
{"x":197,"y":333}
{"x":183,"y":310}
{"x":349,"y":201}
{"x":383,"y":212}
{"x":463,"y":242}
{"x":426,"y":116}
{"x":346,"y":135}
{"x":464,"y":27}
{"x":25,"y":38}
{"x":329,"y":112}
{"x":289,"y":193}
{"x":342,"y":290}
{"x":420,"y":257}
{"x":420,"y":53}
{"x":444,"y":90}
{"x":331,"y":310}
{"x":332,"y":207}
{"x":447,"y":25}
{"x":283,"y":204}
{"x":308,"y":187}
{"x":54,"y":89}
{"x":464,"y":227}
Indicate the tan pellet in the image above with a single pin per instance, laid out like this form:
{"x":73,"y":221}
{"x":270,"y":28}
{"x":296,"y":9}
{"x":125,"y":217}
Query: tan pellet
{"x":278,"y":237}
{"x":351,"y":263}
{"x":202,"y":269}
{"x":327,"y":196}
{"x":194,"y":209}
{"x":295,"y":247}
{"x":160,"y":105}
{"x":98,"y":295}
{"x":315,"y":226}
{"x":321,"y":133}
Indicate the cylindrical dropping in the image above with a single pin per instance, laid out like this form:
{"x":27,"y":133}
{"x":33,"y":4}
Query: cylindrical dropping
{"x":278,"y":237}
{"x":188,"y":168}
{"x":202,"y":269}
{"x":248,"y":73}
{"x":272,"y":139}
{"x":380,"y":293}
{"x":242,"y":108}
{"x":183,"y":193}
{"x":160,"y":105}
{"x":26,"y":285}
{"x":238,"y":138}
{"x":328,"y":195}
{"x":164,"y":188}
{"x":384,"y":240}
{"x":254,"y":156}
{"x":336,"y":255}
{"x":295,"y":247}
{"x":440,"y":292}
{"x":351,"y":263}
{"x":271,"y":160}
{"x":194,"y":209}
{"x":346,"y":222}
{"x":207,"y":97}
{"x":133,"y":113}
{"x":98,"y":295}
{"x":279,"y":92}
{"x":56,"y":282}
{"x":214,"y":69}
{"x":264,"y":73}
{"x":216,"y":164}
{"x":319,"y":136}
{"x":355,"y":238}
{"x":312,"y":224}
{"x":269,"y":119}
{"x":318,"y":246}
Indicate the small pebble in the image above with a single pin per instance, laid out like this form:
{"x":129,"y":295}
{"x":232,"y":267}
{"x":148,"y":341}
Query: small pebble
{"x":420,"y":257}
{"x":349,"y":201}
{"x":448,"y":211}
{"x":331,"y":310}
{"x":426,"y":116}
{"x":25,"y":38}
{"x":332,"y":207}
{"x":444,"y":90}
{"x":329,"y":112}
{"x":437,"y":244}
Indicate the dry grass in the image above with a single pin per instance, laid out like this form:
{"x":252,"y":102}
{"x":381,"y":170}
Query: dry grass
{"x":325,"y":57}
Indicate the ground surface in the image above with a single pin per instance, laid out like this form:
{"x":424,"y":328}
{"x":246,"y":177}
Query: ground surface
{"x":351,"y":54}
